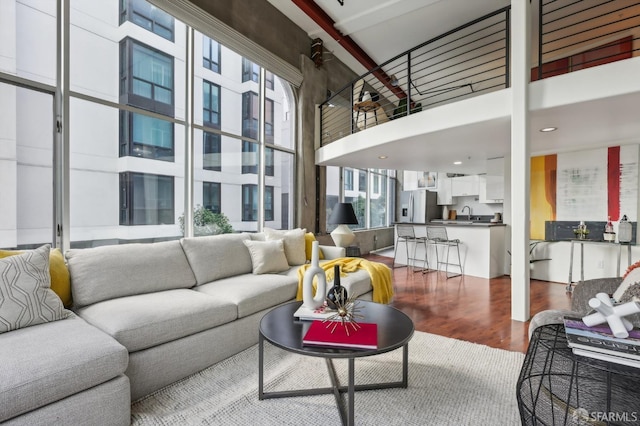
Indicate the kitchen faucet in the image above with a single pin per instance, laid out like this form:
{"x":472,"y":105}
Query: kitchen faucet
{"x":469,"y":212}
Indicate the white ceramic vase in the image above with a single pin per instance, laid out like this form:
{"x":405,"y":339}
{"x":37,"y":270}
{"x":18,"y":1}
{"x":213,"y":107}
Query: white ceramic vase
{"x":308,"y":299}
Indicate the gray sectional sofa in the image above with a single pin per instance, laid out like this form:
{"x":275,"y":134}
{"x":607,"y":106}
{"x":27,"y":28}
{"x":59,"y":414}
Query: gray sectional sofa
{"x":145,"y":316}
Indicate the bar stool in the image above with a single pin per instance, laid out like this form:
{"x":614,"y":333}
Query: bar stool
{"x":437,"y":236}
{"x":406,"y":234}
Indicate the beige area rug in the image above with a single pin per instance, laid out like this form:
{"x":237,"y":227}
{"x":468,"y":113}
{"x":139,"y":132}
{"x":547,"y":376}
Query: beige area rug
{"x":451,"y":382}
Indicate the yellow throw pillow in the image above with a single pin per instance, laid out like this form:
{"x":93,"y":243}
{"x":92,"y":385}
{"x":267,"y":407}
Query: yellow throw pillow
{"x":60,"y":283}
{"x":308,"y":239}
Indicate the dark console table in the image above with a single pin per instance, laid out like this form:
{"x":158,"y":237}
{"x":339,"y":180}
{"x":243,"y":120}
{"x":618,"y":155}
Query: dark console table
{"x":556,"y":387}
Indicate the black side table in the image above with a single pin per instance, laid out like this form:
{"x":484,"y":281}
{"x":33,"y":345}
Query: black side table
{"x":556,"y":387}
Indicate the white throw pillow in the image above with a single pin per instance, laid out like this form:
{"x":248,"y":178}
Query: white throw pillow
{"x":294,"y":246}
{"x":267,"y":256}
{"x":26,"y":296}
{"x":631,"y":277}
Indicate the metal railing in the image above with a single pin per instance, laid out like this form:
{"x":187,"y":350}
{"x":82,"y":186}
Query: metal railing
{"x":574,"y":35}
{"x":473,"y":59}
{"x":464,"y":62}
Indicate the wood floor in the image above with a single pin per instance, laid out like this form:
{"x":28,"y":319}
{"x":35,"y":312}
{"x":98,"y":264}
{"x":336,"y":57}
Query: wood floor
{"x":469,"y":308}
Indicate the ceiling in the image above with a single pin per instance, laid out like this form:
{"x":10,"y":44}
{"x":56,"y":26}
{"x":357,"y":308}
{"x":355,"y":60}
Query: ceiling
{"x":383,"y":29}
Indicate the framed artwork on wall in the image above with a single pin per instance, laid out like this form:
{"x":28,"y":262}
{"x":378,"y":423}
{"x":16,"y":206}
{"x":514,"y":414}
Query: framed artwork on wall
{"x":427,"y":180}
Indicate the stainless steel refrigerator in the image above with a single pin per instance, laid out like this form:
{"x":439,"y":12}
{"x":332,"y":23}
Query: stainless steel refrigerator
{"x":419,"y":206}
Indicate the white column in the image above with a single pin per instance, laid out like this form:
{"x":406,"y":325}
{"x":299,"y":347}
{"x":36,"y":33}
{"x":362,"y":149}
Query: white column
{"x":520,"y":158}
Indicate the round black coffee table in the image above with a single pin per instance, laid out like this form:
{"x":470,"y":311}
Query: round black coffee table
{"x":280,"y":328}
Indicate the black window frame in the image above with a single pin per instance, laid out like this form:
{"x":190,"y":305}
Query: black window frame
{"x":213,"y":189}
{"x":208,"y":112}
{"x":251,"y":72}
{"x":250,"y":195}
{"x":127,"y":79}
{"x":128,"y":211}
{"x":249,"y":147}
{"x":131,"y":148}
{"x":251,"y":118}
{"x":207,"y":54}
{"x":211,"y":144}
{"x":152,"y":15}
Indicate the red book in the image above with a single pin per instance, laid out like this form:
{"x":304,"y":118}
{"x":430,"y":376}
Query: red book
{"x":363,"y":337}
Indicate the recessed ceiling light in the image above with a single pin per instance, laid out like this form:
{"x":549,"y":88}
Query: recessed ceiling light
{"x":382,"y":157}
{"x":457,"y":163}
{"x":548,"y":129}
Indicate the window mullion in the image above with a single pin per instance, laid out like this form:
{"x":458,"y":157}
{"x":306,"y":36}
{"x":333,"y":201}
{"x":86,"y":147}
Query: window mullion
{"x":188,"y":134}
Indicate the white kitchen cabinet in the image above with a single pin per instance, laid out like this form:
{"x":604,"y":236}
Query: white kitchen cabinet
{"x":494,"y":181}
{"x":491,"y":189}
{"x":409,"y":180}
{"x":465,"y":185}
{"x":444,"y":190}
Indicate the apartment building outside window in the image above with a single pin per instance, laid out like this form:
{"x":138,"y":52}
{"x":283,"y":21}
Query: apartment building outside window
{"x":210,"y":54}
{"x":146,"y":199}
{"x":211,"y":196}
{"x":211,"y":104}
{"x":149,"y":17}
{"x":146,"y":77}
{"x":348,"y":179}
{"x":146,"y":137}
{"x":251,"y":72}
{"x":126,"y":165}
{"x":250,"y":202}
{"x":211,"y":151}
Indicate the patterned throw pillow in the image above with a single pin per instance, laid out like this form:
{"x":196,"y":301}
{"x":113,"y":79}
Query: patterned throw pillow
{"x":629,"y":285}
{"x":27,"y":298}
{"x":60,"y":283}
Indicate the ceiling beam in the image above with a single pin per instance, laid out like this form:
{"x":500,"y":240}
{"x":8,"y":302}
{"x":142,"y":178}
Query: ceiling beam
{"x":320,"y":17}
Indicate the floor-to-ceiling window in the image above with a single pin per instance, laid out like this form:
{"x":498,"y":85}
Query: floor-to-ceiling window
{"x":127,"y":113}
{"x":371,"y":192}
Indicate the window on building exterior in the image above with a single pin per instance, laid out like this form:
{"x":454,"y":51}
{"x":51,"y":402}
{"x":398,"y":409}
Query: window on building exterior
{"x":362,"y":180}
{"x":250,"y":114}
{"x":149,"y":17}
{"x":210,"y":54}
{"x":133,"y":127}
{"x":146,"y":77}
{"x":211,"y":196}
{"x":146,"y":137}
{"x":268,"y":121}
{"x":250,"y":202}
{"x":250,"y":159}
{"x":146,"y":199}
{"x":211,"y":104}
{"x":251,"y":72}
{"x":212,"y":152}
{"x":348,"y":179}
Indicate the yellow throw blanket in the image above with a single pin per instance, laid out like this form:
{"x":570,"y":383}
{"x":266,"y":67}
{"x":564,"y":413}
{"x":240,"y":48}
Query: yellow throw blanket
{"x":379,"y":272}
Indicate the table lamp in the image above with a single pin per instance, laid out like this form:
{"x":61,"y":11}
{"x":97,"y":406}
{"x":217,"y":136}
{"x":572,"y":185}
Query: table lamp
{"x":343,"y":215}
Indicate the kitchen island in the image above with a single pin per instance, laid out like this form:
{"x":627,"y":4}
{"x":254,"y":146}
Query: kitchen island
{"x":482,"y":247}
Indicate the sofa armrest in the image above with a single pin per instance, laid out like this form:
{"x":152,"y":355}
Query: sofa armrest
{"x":587,"y":289}
{"x":333,"y":252}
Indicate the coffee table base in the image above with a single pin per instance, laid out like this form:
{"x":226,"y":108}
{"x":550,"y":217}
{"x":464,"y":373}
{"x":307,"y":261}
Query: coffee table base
{"x":346,"y":413}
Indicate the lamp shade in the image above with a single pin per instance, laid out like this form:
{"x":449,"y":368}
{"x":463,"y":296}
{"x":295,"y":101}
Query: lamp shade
{"x":343,"y":214}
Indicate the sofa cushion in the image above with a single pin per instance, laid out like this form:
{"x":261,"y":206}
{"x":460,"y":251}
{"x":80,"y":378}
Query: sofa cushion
{"x":294,"y":243}
{"x":267,"y":256}
{"x":26,"y":298}
{"x":57,"y":269}
{"x":217,"y":256}
{"x":146,"y":320}
{"x":253,"y":293}
{"x":630,"y":279}
{"x":108,"y":272}
{"x":48,"y":362}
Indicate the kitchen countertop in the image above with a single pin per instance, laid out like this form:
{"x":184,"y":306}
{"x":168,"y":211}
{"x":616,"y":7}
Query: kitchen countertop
{"x":454,"y":223}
